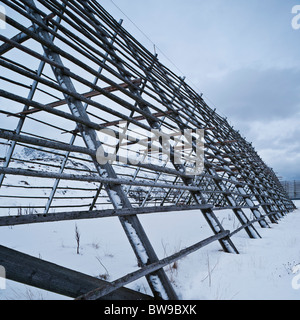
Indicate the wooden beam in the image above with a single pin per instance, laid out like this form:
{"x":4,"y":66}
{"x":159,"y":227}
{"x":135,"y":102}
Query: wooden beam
{"x":226,"y":170}
{"x":225,"y":142}
{"x":90,"y":94}
{"x":82,"y":215}
{"x":48,"y":276}
{"x":19,"y":38}
{"x":111,"y":287}
{"x":138,"y":118}
{"x":9,"y":135}
{"x":110,"y":181}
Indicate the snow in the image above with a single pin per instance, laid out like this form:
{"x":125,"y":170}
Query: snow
{"x":262,"y":271}
{"x":158,"y":286}
{"x":116,"y":199}
{"x":249,"y":202}
{"x":266,"y":268}
{"x":138,"y":243}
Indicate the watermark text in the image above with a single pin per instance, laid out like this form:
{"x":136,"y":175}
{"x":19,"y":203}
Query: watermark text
{"x":182,"y":148}
{"x":296,"y":18}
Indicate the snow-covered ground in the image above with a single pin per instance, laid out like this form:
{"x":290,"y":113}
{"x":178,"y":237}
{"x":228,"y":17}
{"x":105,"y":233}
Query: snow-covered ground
{"x":263,"y":270}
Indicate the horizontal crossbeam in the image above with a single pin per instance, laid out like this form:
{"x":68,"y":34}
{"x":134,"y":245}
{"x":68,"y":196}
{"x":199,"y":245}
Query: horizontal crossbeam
{"x":48,"y":276}
{"x":85,"y":215}
{"x":103,"y":291}
{"x":89,"y":94}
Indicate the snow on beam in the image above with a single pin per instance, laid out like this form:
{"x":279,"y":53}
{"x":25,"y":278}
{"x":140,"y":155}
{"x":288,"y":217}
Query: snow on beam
{"x":110,"y":181}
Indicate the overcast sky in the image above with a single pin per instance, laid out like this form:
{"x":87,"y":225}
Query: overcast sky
{"x":243,"y":55}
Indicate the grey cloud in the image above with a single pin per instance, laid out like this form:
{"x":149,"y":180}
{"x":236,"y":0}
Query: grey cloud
{"x":250,"y":94}
{"x":264,"y":105}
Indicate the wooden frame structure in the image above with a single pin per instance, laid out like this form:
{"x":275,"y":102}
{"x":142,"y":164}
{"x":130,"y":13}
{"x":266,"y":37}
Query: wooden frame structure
{"x":72,"y":70}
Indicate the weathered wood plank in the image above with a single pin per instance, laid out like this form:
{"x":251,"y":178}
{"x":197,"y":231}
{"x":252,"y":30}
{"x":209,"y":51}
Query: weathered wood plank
{"x":90,"y":94}
{"x":82,"y":215}
{"x":111,"y":287}
{"x":72,"y":177}
{"x":41,"y":274}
